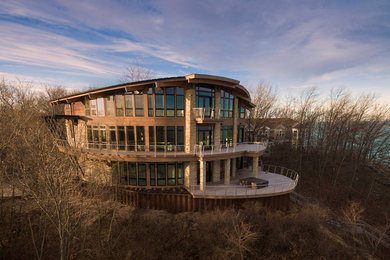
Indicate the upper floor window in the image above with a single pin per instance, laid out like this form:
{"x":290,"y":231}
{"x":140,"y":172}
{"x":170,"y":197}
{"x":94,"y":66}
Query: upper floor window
{"x":227,"y":100}
{"x":150,"y":102}
{"x":110,"y":104}
{"x":68,"y":109}
{"x":139,"y":103}
{"x":242,"y":112}
{"x":86,"y":105}
{"x":159,"y":101}
{"x":204,"y":97}
{"x":100,"y":106}
{"x":119,"y":105}
{"x":129,"y":104}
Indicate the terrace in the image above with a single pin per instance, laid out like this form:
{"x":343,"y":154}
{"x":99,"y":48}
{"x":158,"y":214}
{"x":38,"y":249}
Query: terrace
{"x":280,"y":181}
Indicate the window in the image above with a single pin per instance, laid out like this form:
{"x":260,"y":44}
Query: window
{"x":93,"y":107}
{"x":160,"y":138}
{"x":227,"y":100}
{"x":171,"y":174}
{"x":159,"y":101}
{"x":240,"y":137}
{"x":119,"y":105}
{"x":150,"y":102}
{"x":110,"y":106}
{"x":180,"y":174}
{"x":205,"y":99}
{"x":180,"y":139}
{"x":121,"y":137}
{"x":112,"y":137}
{"x":86,"y":105}
{"x":151,"y":138}
{"x":139,"y":103}
{"x":242,"y":112}
{"x":152,"y":175}
{"x":95,"y":131}
{"x":100,"y":107}
{"x":141,"y":174}
{"x":161,"y":174}
{"x":170,"y":101}
{"x":130,"y":138}
{"x":123,"y":173}
{"x":89,"y":136}
{"x":103,"y":136}
{"x":129,"y":104}
{"x":140,"y":138}
{"x":132,"y":173}
{"x":179,"y":102}
{"x":227,"y":136}
{"x":171,"y":138}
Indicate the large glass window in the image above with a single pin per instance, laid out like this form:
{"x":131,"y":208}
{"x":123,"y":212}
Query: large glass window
{"x":110,"y":105}
{"x":227,"y":136}
{"x":170,"y":101}
{"x":227,"y":100}
{"x":161,"y":174}
{"x":242,"y":112}
{"x":152,"y":175}
{"x":140,"y":138}
{"x":205,"y":99}
{"x":130,"y":138}
{"x":179,"y":102}
{"x":171,"y":138}
{"x":132,"y":173}
{"x":87,"y":106}
{"x":121,"y":137}
{"x":129,"y":104}
{"x":100,"y":107}
{"x":180,"y":174}
{"x":93,"y":107}
{"x":151,"y":138}
{"x":171,"y":174}
{"x":141,"y":174}
{"x":119,"y":105}
{"x":180,"y":138}
{"x":112,"y":137}
{"x":123,"y":173}
{"x":103,"y":137}
{"x":150,"y":102}
{"x":139,"y":103}
{"x":160,"y":138}
{"x":240,"y":137}
{"x":205,"y":135}
{"x":159,"y":101}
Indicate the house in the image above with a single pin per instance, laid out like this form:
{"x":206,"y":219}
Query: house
{"x":172,"y":143}
{"x":277,"y":130}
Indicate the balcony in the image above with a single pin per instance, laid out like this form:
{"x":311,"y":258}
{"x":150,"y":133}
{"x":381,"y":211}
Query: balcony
{"x":210,"y":150}
{"x":207,"y":115}
{"x":280,"y":181}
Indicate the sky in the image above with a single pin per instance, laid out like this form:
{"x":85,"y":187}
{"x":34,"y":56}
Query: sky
{"x":292,"y":45}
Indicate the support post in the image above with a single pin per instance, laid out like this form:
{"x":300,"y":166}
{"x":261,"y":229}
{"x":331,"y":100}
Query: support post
{"x":202,"y":176}
{"x":227,"y":171}
{"x":255,"y":166}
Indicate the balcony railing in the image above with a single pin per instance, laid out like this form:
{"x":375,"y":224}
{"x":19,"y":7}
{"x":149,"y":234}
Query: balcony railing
{"x":206,"y":113}
{"x":281,"y":180}
{"x":204,"y":150}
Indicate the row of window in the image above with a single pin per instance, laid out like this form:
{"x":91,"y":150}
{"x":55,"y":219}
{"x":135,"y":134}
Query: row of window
{"x":132,"y":138}
{"x":161,"y":174}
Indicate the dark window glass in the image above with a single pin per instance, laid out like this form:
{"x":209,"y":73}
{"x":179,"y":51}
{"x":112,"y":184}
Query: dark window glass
{"x":160,"y":138}
{"x":129,"y":104}
{"x":140,"y":138}
{"x":150,"y":102}
{"x":227,"y":100}
{"x":95,"y":136}
{"x":121,"y":137}
{"x":159,"y":100}
{"x":171,"y":174}
{"x":139,"y":104}
{"x":119,"y":105}
{"x":151,"y":138}
{"x":180,"y":174}
{"x":132,"y":173}
{"x":226,"y":136}
{"x":242,"y":112}
{"x":161,"y":174}
{"x":179,"y":102}
{"x":123,"y":173}
{"x":152,"y":175}
{"x":205,"y":99}
{"x":170,"y":138}
{"x":112,"y":137}
{"x":205,"y":135}
{"x":86,"y":105}
{"x":240,"y":137}
{"x":141,"y":174}
{"x":170,"y":101}
{"x":180,"y":139}
{"x":130,"y":138}
{"x":89,"y":136}
{"x":103,"y":136}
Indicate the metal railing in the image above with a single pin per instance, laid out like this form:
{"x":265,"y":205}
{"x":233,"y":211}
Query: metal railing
{"x":227,"y":190}
{"x":204,"y":150}
{"x":206,"y":113}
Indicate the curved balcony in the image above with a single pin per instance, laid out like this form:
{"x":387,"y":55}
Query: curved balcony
{"x":281,"y":181}
{"x":207,"y":115}
{"x":210,"y":150}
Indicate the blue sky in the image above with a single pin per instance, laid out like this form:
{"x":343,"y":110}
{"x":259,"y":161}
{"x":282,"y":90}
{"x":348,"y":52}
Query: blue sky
{"x":290,"y":44}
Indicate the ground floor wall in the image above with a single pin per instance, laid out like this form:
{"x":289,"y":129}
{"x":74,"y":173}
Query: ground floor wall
{"x":185,"y":202}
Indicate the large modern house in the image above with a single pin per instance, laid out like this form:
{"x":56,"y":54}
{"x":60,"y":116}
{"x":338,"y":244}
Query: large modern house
{"x":172,"y":143}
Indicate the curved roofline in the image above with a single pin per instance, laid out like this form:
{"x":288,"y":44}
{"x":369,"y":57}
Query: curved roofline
{"x":191,"y":78}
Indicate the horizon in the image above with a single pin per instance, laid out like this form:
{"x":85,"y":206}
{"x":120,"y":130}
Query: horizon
{"x":292,"y":46}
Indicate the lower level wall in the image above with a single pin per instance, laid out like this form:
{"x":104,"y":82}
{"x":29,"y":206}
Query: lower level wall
{"x":185,"y":202}
{"x":96,"y":171}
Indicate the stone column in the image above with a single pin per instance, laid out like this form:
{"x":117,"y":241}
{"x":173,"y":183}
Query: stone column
{"x":227,"y":171}
{"x":216,"y":171}
{"x":202,"y":176}
{"x":255,"y":166}
{"x":234,"y":167}
{"x":189,"y":173}
{"x":190,"y":123}
{"x":235,"y":119}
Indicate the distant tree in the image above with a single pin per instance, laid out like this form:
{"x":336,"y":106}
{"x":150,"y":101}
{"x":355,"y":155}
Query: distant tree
{"x":137,"y":73}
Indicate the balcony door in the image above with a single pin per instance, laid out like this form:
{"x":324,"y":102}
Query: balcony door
{"x":204,"y":135}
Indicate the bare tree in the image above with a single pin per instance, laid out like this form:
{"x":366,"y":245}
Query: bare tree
{"x":137,"y":73}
